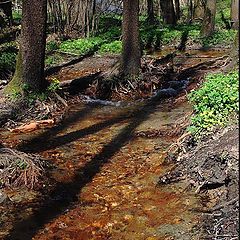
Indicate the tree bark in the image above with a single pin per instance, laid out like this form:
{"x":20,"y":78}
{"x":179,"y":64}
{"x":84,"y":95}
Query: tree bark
{"x":31,"y":56}
{"x":198,"y":11}
{"x":168,"y":12}
{"x":150,"y":10}
{"x":190,"y":11}
{"x":209,"y":18}
{"x":234,"y":14}
{"x":177,"y":9}
{"x":131,"y":54}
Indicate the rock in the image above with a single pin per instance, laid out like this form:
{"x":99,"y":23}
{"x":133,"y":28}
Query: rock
{"x":178,"y":85}
{"x":165,"y":93}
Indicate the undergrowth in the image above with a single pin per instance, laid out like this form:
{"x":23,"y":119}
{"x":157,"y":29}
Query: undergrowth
{"x":215,"y":102}
{"x":81,"y":46}
{"x":112,"y":48}
{"x":7,"y":61}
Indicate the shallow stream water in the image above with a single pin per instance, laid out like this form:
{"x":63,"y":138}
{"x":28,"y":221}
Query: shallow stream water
{"x":106,"y":177}
{"x":106,"y":170}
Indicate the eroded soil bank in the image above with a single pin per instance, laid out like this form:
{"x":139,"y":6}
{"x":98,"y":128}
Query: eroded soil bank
{"x":211,"y":167}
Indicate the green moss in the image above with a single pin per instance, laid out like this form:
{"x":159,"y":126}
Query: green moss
{"x":15,"y":86}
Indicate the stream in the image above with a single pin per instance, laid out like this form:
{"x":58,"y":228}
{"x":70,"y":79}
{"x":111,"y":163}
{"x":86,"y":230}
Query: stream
{"x":105,"y":174}
{"x":106,"y":177}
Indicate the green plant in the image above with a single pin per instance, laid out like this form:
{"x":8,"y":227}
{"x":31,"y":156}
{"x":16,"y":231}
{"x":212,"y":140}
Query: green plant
{"x":113,"y":47}
{"x":22,"y":165}
{"x":113,"y":33}
{"x":81,"y":46}
{"x":54,"y":85}
{"x":221,"y":37}
{"x":214,"y":102}
{"x":53,"y":59}
{"x":51,"y":46}
{"x":17,"y":16}
{"x":7,"y":61}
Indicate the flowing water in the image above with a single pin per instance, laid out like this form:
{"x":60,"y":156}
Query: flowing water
{"x":107,"y":176}
{"x":107,"y":167}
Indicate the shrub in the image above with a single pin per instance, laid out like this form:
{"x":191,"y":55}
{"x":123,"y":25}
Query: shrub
{"x":111,"y":34}
{"x":214,"y":102}
{"x":51,"y":46}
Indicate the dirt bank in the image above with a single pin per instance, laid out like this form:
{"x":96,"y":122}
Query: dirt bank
{"x":210,"y":167}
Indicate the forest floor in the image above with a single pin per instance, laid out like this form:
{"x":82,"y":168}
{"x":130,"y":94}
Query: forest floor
{"x":119,"y":199}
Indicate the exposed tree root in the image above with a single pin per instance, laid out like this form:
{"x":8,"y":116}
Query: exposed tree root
{"x":18,"y":168}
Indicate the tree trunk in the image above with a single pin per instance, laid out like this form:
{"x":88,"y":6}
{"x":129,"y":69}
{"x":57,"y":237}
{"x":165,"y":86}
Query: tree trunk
{"x":233,"y":55}
{"x":198,"y":11}
{"x":150,"y":10}
{"x":168,"y":12}
{"x":234,"y":14}
{"x":30,"y":60}
{"x":190,"y":11}
{"x":177,"y":9}
{"x":131,"y":55}
{"x":209,"y":18}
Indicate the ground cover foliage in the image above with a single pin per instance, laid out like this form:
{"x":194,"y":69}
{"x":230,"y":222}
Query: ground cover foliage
{"x":215,"y":102}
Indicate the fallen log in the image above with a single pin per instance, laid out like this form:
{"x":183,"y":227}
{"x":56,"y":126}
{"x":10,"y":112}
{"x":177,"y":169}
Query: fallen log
{"x":79,"y":84}
{"x":54,"y":69}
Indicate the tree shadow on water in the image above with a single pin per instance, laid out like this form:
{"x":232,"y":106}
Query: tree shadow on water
{"x":34,"y":144}
{"x":64,"y":195}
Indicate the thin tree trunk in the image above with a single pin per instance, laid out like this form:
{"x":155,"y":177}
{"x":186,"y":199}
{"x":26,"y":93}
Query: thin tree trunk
{"x":131,"y":55}
{"x":235,"y":14}
{"x":150,"y":8}
{"x":190,"y":11}
{"x":177,"y":9}
{"x":198,"y":9}
{"x":168,"y":12}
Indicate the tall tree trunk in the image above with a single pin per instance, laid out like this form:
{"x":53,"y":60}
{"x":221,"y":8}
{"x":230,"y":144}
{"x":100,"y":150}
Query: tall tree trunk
{"x":177,"y":9}
{"x":150,"y":10}
{"x":209,"y":18}
{"x":168,"y":12}
{"x":30,"y":60}
{"x":198,"y":9}
{"x":131,"y":55}
{"x":235,"y":14}
{"x":190,"y":11}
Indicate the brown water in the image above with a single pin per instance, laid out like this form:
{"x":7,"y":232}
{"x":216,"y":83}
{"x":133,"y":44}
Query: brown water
{"x":106,"y":177}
